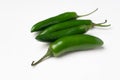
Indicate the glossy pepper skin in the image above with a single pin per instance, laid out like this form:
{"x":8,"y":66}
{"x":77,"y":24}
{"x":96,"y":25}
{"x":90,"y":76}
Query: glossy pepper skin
{"x":62,"y":33}
{"x":65,"y":25}
{"x":71,"y":43}
{"x":53,"y":20}
{"x":57,"y":19}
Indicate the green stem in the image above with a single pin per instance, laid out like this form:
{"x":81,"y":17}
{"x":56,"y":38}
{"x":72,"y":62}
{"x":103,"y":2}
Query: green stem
{"x":101,"y":24}
{"x":88,"y":13}
{"x":47,"y":55}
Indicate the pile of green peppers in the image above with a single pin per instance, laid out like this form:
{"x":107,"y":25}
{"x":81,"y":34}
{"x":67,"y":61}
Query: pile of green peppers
{"x":65,"y":33}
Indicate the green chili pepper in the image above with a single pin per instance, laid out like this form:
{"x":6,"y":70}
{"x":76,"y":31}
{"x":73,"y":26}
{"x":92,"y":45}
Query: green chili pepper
{"x":57,"y":19}
{"x":65,"y":25}
{"x":71,"y":43}
{"x":50,"y":37}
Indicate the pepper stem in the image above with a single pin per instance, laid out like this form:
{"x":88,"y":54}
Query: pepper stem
{"x":47,"y":55}
{"x":101,"y":24}
{"x":88,"y":13}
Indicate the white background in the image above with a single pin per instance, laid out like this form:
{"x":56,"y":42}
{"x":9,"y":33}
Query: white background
{"x":18,"y":48}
